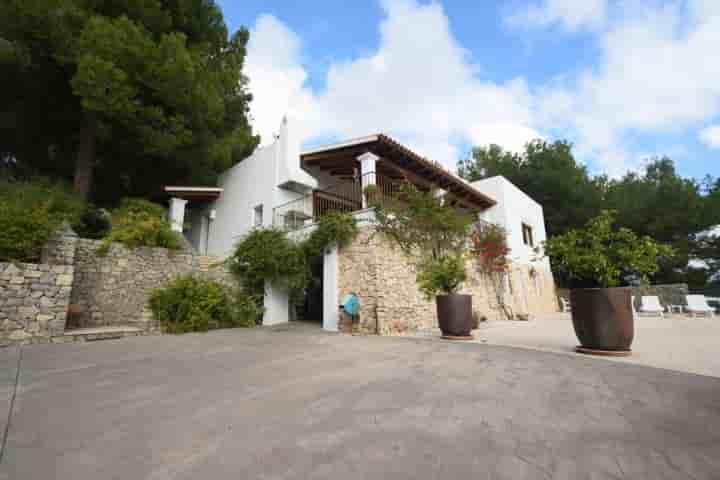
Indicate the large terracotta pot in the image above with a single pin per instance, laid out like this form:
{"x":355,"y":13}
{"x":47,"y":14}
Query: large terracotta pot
{"x":454,"y":314}
{"x":603,"y":318}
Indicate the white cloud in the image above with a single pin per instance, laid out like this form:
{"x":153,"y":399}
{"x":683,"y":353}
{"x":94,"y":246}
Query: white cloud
{"x":710,"y":136}
{"x":511,"y":136}
{"x":654,"y":76}
{"x":571,"y":15}
{"x":420,"y":85}
{"x":276,"y":75}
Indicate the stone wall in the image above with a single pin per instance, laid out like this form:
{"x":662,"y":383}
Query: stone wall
{"x":112,"y":289}
{"x":33,"y":300}
{"x":60,"y":249}
{"x":391,"y":304}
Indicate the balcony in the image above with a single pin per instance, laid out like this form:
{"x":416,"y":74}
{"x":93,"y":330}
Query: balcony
{"x":345,"y":197}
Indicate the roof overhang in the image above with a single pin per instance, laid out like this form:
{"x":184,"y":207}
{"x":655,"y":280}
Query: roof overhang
{"x":193,"y":193}
{"x":341,"y":158}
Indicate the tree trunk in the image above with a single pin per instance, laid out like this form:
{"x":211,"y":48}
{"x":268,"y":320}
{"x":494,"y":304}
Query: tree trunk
{"x":85,"y":163}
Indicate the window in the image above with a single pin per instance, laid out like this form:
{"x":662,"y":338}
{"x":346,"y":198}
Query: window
{"x":258,"y":216}
{"x":527,"y":232}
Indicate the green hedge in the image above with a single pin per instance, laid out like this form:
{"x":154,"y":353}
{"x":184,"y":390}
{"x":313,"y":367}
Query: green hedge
{"x":139,"y":223}
{"x":194,"y":304}
{"x":30,"y":212}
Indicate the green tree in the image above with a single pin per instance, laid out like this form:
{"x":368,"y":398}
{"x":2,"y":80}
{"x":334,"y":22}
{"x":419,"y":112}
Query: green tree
{"x":549,"y":173}
{"x":139,"y":91}
{"x":667,"y":207}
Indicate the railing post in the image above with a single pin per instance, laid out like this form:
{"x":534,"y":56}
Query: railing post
{"x":368,"y":163}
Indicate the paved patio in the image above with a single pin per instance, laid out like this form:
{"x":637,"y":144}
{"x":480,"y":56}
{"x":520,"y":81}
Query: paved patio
{"x":297,"y":403}
{"x":675,"y":342}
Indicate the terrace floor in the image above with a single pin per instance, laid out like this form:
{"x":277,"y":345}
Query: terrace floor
{"x":676,"y":342}
{"x":294,"y":402}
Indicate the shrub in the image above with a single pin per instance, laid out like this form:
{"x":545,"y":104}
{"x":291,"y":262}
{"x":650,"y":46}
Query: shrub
{"x":93,"y":223}
{"x":441,"y":276}
{"x":333,"y":229}
{"x":30,"y":212}
{"x":602,"y":256}
{"x":139,"y":223}
{"x":247,"y":310}
{"x":193,"y":304}
{"x":268,"y":255}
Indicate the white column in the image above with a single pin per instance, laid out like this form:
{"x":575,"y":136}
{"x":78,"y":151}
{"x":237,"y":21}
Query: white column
{"x":368,"y":163}
{"x":277,"y":305}
{"x":177,"y":213}
{"x":331,"y":302}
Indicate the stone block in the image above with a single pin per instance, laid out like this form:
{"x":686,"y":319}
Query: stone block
{"x":19,"y":335}
{"x":64,"y":280}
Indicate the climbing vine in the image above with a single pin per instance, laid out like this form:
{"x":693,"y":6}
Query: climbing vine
{"x":269,"y":255}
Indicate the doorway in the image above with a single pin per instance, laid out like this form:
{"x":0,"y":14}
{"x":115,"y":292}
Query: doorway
{"x":312,"y":308}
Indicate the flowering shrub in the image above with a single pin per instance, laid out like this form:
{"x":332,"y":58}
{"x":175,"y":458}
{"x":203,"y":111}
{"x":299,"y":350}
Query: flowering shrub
{"x":489,"y":244}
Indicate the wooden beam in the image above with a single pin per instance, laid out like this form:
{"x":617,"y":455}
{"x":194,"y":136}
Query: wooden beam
{"x":417,"y":179}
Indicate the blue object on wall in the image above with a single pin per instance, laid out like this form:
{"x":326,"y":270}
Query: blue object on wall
{"x":351,"y":304}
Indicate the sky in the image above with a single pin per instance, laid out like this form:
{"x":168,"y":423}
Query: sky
{"x":622,"y":80}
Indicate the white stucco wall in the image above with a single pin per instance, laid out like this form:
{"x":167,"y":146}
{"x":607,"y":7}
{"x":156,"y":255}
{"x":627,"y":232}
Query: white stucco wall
{"x":514,"y":208}
{"x":269,"y":177}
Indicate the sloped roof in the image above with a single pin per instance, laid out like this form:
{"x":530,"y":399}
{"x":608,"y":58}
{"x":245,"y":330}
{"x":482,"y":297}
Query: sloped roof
{"x":342,"y":158}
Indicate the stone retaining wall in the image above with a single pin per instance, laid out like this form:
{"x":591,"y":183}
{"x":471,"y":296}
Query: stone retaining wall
{"x":391,"y":303}
{"x":112,"y":289}
{"x":33,"y":300}
{"x":76,"y":286}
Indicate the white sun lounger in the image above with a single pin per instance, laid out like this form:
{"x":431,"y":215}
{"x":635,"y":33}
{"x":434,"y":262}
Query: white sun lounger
{"x":697,"y":305}
{"x":565,"y":304}
{"x":651,"y":305}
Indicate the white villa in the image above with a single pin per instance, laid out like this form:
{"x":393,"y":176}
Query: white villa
{"x":278,"y":185}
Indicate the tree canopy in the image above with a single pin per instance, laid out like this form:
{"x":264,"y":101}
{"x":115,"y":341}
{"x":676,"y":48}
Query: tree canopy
{"x":657,"y":202}
{"x":122,"y":95}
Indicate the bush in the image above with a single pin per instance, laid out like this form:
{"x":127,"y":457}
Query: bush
{"x":441,"y":276}
{"x":93,"y":223}
{"x":193,"y":304}
{"x":139,"y":223}
{"x":333,"y":229}
{"x":268,"y":255}
{"x":602,"y":256}
{"x":30,"y":212}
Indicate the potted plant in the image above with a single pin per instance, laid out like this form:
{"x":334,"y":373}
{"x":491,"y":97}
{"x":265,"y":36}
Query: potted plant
{"x":434,"y":234}
{"x":596,"y":262}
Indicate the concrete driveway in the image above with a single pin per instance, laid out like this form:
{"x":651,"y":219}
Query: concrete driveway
{"x":296,"y":403}
{"x":676,"y":342}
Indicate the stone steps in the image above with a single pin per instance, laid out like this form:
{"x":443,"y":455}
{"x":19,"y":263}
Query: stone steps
{"x":101,"y":333}
{"x":207,"y":262}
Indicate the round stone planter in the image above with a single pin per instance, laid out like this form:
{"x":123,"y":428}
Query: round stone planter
{"x":455,"y":315}
{"x":603,"y":319}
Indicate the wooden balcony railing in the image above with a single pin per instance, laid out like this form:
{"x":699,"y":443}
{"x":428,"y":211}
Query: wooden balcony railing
{"x":346,"y":197}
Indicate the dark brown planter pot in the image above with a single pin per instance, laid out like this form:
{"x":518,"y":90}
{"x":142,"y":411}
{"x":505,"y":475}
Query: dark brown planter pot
{"x":603,"y":318}
{"x":454,"y":314}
